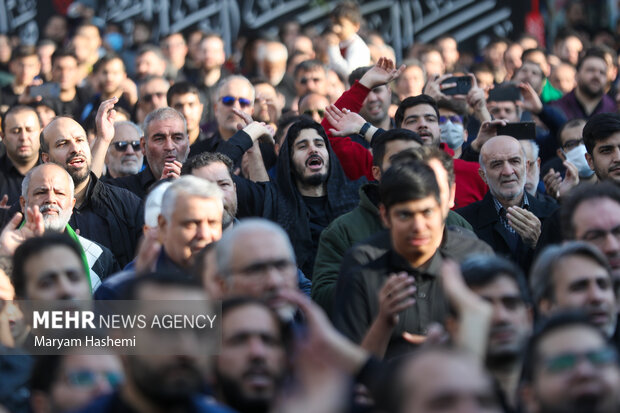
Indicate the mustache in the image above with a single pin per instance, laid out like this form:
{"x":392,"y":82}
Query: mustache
{"x":50,"y":207}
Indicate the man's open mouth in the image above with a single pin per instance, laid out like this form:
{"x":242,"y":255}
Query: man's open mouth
{"x":314,"y":162}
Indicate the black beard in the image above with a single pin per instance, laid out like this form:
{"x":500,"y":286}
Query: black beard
{"x":233,"y":396}
{"x":498,"y":361}
{"x":586,"y":90}
{"x":79,"y":178}
{"x":309,"y":181}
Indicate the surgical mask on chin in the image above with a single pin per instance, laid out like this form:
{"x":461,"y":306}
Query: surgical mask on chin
{"x":577,"y":156}
{"x":452,"y":134}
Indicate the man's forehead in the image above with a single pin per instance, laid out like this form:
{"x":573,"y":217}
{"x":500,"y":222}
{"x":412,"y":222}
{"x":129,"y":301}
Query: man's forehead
{"x":21,"y":116}
{"x":420,"y":109}
{"x":125,"y":131}
{"x":236,"y":87}
{"x":306,"y":134}
{"x":563,"y":339}
{"x":315,"y":71}
{"x":172,"y":125}
{"x":613,"y":139}
{"x":63,"y":128}
{"x":574,"y":132}
{"x":41,"y":177}
{"x":236,"y":321}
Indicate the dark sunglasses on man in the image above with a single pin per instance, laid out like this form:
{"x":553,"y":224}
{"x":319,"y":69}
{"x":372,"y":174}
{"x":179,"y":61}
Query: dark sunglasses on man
{"x":121,"y":146}
{"x":148,"y":98}
{"x":230,"y":100}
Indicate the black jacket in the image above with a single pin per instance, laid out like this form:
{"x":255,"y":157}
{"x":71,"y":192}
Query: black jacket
{"x":139,"y":183}
{"x":280,"y":201}
{"x":484,"y":219}
{"x":119,"y":210}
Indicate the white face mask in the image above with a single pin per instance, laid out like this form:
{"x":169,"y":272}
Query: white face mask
{"x":452,"y":134}
{"x":577,"y":156}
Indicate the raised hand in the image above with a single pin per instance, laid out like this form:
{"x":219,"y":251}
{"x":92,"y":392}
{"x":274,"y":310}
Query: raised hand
{"x":172,"y":170}
{"x":525,"y":223}
{"x":4,"y":202}
{"x":383,"y":72}
{"x":105,"y":119}
{"x":487,"y":130}
{"x":531,"y":101}
{"x":396,"y":295}
{"x":13,"y":236}
{"x":344,"y":121}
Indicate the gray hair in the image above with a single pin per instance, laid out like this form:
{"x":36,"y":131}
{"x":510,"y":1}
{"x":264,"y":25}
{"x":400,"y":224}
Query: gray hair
{"x":224,"y":247}
{"x":152,"y":204}
{"x":533,"y":146}
{"x":26,"y":180}
{"x":129,"y":123}
{"x":189,"y":185}
{"x":162,"y":114}
{"x":272,"y":51}
{"x":229,"y":79}
{"x":541,"y":276}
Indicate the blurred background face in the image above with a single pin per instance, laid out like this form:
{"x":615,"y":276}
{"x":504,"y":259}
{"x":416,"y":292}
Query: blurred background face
{"x":410,"y":82}
{"x":64,"y":72}
{"x":124,"y":156}
{"x":111,"y":76}
{"x":212,"y":53}
{"x":153,"y":95}
{"x":314,"y":105}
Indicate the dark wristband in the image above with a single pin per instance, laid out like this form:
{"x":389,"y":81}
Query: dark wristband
{"x":364,"y":128}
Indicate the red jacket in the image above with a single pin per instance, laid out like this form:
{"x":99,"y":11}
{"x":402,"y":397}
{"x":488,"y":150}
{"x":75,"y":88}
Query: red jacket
{"x":356,"y":160}
{"x":469,"y":185}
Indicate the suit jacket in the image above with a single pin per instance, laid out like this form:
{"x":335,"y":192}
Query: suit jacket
{"x":485,"y":221}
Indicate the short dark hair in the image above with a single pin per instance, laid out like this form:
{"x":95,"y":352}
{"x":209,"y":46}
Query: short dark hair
{"x":600,"y":127}
{"x":480,"y":270}
{"x":34,"y":246}
{"x":348,"y":10}
{"x":412,"y":101}
{"x":379,"y":143}
{"x":15,"y":109}
{"x":63,"y":52}
{"x":308,"y":65}
{"x":105,"y":59}
{"x":547,"y":327}
{"x":526,"y":53}
{"x":181,"y":88}
{"x":596,"y":52}
{"x":580,"y":194}
{"x":358,"y":73}
{"x":205,"y":159}
{"x":408,"y":181}
{"x":22,"y":51}
{"x":570,"y":124}
{"x":425,"y":154}
{"x":174,"y":278}
{"x":457,"y":106}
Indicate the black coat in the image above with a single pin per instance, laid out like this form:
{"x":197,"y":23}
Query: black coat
{"x":280,"y":201}
{"x":485,"y":221}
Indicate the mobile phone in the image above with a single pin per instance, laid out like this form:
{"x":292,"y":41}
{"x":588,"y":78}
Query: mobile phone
{"x":505,"y":92}
{"x":463,"y":85}
{"x":518,"y":130}
{"x":46,"y":90}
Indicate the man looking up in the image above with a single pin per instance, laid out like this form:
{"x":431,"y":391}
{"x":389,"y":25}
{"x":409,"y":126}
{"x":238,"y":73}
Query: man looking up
{"x":20,"y":129}
{"x":507,"y":218}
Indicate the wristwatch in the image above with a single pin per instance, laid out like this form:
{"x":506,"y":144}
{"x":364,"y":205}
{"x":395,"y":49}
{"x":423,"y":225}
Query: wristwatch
{"x":364,"y":128}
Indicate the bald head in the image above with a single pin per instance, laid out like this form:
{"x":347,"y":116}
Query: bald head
{"x":64,"y":142}
{"x":503,"y":167}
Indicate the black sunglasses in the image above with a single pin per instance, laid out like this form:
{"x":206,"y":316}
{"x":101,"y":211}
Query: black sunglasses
{"x":148,"y":98}
{"x":121,"y":146}
{"x":230,"y":100}
{"x":310,"y":112}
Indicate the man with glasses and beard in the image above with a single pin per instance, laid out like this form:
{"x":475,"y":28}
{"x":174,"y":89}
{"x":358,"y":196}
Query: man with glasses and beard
{"x":124,"y":156}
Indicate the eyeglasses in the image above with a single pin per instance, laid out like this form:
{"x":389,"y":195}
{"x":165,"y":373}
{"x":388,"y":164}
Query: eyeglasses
{"x":452,"y":118}
{"x":571,"y":144}
{"x":148,"y":98}
{"x":230,"y":100}
{"x":311,"y":112}
{"x":305,"y":80}
{"x":87,"y":378}
{"x":121,"y":146}
{"x":567,"y":361}
{"x":262,"y":268}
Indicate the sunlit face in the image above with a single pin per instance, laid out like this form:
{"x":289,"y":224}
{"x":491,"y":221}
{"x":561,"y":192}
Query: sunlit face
{"x":506,"y":110}
{"x":423,"y":120}
{"x":153,"y":95}
{"x":238,"y":89}
{"x":605,"y":158}
{"x":195,"y":222}
{"x":68,"y":147}
{"x":310,"y":158}
{"x":416,"y":228}
{"x":25,"y":69}
{"x":313,"y":80}
{"x":376,"y":105}
{"x":49,"y":190}
{"x":127,"y":160}
{"x":217,"y":172}
{"x":190,"y":107}
{"x":410,"y":82}
{"x":314,"y":106}
{"x":211,"y":53}
{"x":563,"y":77}
{"x":21,"y":136}
{"x":111,"y":76}
{"x":166,"y":142}
{"x":149,"y":64}
{"x":504,"y":168}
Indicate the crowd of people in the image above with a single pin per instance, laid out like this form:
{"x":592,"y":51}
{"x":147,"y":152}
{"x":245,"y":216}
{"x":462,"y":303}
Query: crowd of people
{"x":440,"y":234}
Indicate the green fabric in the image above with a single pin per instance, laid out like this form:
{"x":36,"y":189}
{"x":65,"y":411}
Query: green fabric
{"x":549,"y":93}
{"x":75,"y":238}
{"x":455,"y":220}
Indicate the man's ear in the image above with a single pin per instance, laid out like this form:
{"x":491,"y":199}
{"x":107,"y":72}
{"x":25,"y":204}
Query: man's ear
{"x":22,"y":204}
{"x":483,"y":175}
{"x":45,"y":157}
{"x":385,"y":219}
{"x":376,"y":173}
{"x":590,"y":161}
{"x":73,"y":203}
{"x":452,"y":196}
{"x":161,"y":227}
{"x":545,"y":305}
{"x":143,"y":145}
